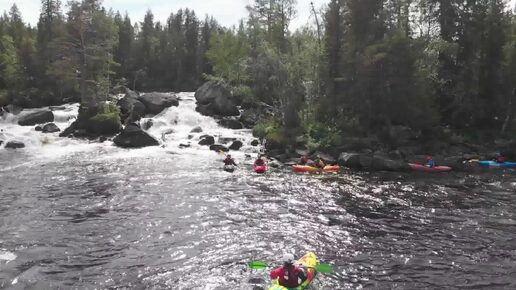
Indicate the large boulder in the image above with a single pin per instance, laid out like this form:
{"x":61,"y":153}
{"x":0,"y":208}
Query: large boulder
{"x":207,"y":140}
{"x":371,"y":162}
{"x":214,"y":99}
{"x":231,"y":123}
{"x":14,"y":145}
{"x":236,"y":145}
{"x":157,"y":102}
{"x":37,"y":117}
{"x":131,"y":109}
{"x":50,"y":128}
{"x":134,"y":137}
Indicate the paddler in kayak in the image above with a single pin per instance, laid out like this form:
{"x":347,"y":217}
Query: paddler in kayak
{"x":319,"y":163}
{"x":289,"y":275}
{"x":429,"y":162}
{"x":259,"y":161}
{"x":304,"y":160}
{"x":229,"y":161}
{"x":499,"y":158}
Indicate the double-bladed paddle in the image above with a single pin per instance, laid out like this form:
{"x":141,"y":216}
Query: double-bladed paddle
{"x":322,"y":268}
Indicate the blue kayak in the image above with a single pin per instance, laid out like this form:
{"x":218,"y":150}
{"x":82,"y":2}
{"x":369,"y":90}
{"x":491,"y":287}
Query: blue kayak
{"x":493,"y":164}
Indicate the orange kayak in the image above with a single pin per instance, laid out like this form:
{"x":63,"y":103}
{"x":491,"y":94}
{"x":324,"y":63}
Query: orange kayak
{"x":306,"y":168}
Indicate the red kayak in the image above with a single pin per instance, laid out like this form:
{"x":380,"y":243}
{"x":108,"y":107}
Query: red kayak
{"x":422,"y":168}
{"x":260,"y":168}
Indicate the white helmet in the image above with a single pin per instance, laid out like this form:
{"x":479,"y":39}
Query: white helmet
{"x":288,"y":259}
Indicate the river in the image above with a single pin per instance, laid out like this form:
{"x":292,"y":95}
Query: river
{"x":85,"y":215}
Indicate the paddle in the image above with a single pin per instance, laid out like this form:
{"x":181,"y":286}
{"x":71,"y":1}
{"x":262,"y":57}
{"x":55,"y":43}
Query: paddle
{"x":322,"y":268}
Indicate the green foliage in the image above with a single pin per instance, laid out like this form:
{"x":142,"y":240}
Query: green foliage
{"x":228,"y":55}
{"x":263,"y":129}
{"x":107,"y":121}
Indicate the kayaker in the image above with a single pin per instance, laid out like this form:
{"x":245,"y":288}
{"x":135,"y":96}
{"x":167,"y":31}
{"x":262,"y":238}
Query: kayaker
{"x":289,"y":275}
{"x":229,"y":161}
{"x":303,"y":160}
{"x":499,"y":158}
{"x":429,"y":162}
{"x":319,"y":163}
{"x":259,"y":161}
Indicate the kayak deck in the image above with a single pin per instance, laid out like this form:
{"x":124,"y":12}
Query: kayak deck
{"x":494,"y":164}
{"x":309,"y":261}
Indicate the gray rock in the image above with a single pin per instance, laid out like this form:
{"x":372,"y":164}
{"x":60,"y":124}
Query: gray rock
{"x":207,"y":140}
{"x":255,"y":142}
{"x":38,"y":128}
{"x":214,"y":99}
{"x":218,"y":148}
{"x":157,"y":102}
{"x":50,"y":128}
{"x":14,"y":145}
{"x":184,"y":145}
{"x":134,"y":137}
{"x":197,"y":129}
{"x":38,"y":117}
{"x":236,"y":145}
{"x":231,"y":123}
{"x":131,"y":109}
{"x":371,"y":162}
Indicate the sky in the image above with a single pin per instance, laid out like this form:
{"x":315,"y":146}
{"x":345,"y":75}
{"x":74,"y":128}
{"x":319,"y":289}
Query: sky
{"x":226,"y":12}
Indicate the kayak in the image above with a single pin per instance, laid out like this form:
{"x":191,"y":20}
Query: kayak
{"x":422,"y":168}
{"x":494,"y":164}
{"x":309,"y":260}
{"x":260,"y":169}
{"x":229,"y":168}
{"x":306,"y":168}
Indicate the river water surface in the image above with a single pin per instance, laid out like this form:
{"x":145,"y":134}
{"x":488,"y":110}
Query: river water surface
{"x":79,"y":215}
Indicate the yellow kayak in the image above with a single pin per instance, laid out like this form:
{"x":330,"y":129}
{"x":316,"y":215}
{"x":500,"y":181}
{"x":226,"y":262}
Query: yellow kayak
{"x":309,"y":261}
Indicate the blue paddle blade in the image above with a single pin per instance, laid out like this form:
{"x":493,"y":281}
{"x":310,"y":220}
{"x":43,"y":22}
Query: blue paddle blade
{"x":257,"y":265}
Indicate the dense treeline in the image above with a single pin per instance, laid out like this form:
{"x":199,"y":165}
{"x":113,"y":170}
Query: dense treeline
{"x":88,"y":51}
{"x":366,"y":67}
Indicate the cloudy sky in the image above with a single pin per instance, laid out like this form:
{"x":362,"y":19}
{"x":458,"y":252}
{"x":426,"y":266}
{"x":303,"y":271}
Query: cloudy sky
{"x":227,"y":12}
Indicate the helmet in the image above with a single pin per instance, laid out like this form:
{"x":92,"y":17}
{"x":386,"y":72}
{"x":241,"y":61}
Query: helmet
{"x":498,"y":154}
{"x":288,"y":259}
{"x":228,"y":156}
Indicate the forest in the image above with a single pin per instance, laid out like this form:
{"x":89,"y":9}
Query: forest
{"x":361,"y":68}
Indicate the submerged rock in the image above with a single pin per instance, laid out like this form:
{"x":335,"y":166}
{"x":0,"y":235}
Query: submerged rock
{"x":231,"y":123}
{"x":38,"y":117}
{"x":207,"y":140}
{"x":236,"y":145}
{"x":255,"y":142}
{"x":50,"y":128}
{"x":197,"y":129}
{"x":219,"y":148}
{"x":157,"y":102}
{"x":14,"y":145}
{"x":134,"y":137}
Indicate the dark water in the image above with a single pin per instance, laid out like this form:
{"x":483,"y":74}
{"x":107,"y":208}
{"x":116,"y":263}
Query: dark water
{"x":151,"y":220}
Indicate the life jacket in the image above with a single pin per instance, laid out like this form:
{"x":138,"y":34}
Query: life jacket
{"x":500,"y":159}
{"x":287,"y":276}
{"x":229,"y":161}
